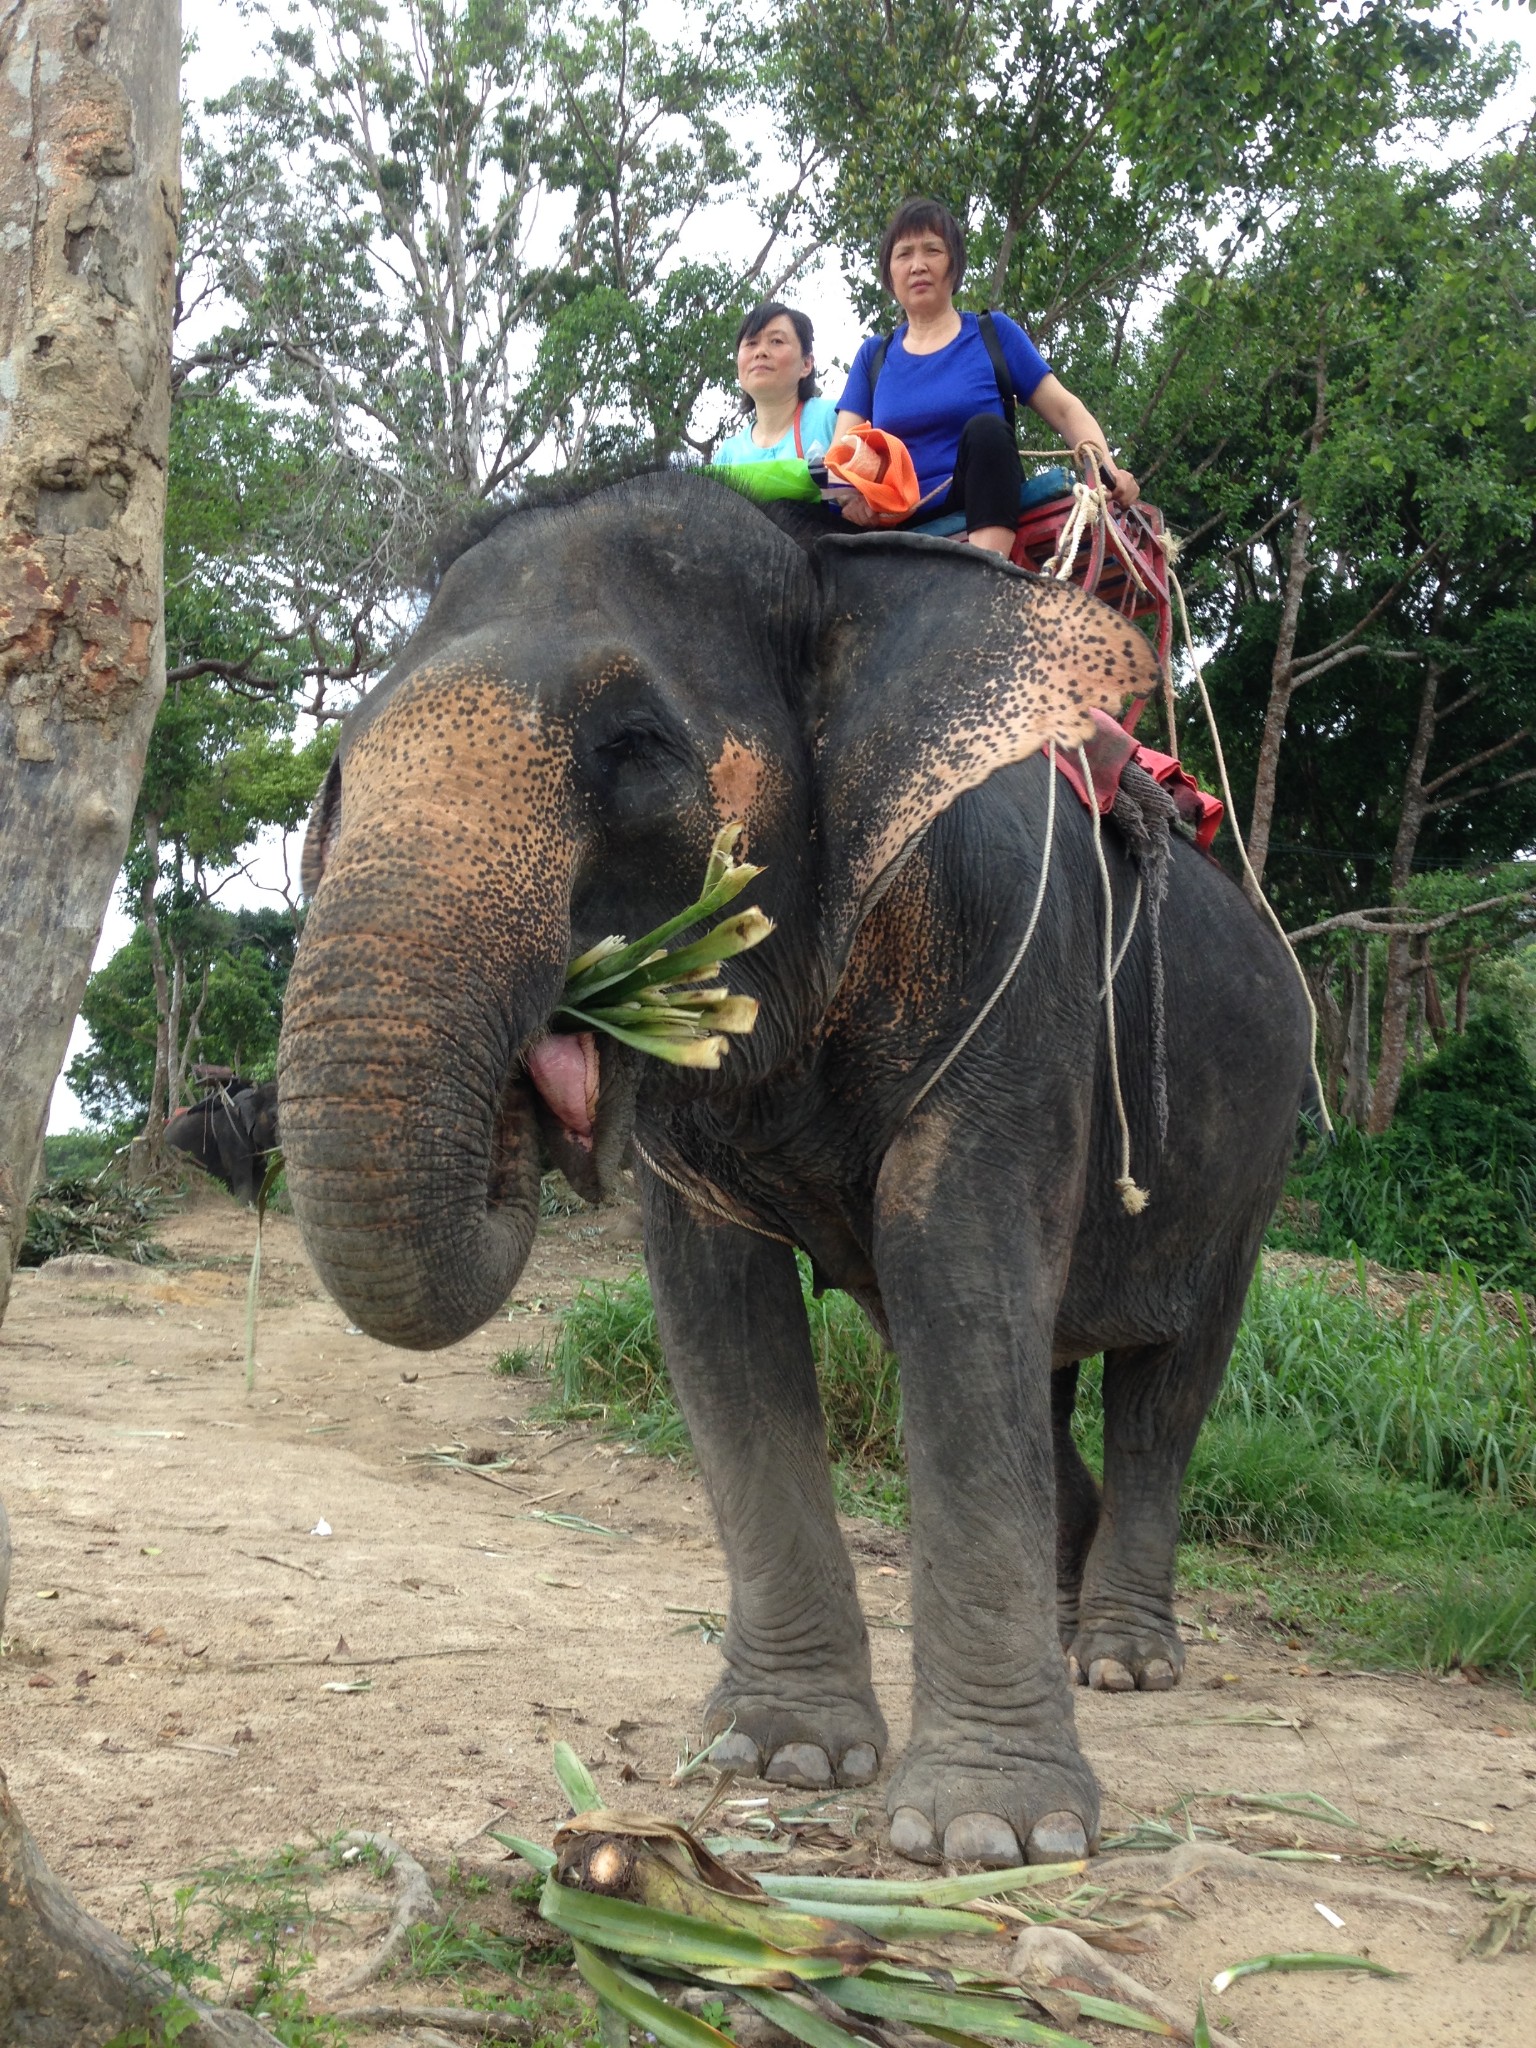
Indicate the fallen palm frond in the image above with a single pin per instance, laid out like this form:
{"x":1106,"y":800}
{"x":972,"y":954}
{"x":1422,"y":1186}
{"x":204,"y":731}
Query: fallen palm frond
{"x":643,"y":1899}
{"x":672,"y":1005}
{"x":1308,"y":1959}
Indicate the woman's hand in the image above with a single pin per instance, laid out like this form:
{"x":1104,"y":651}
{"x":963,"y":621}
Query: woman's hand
{"x":1063,"y":410}
{"x":857,"y":510}
{"x":1125,"y":489}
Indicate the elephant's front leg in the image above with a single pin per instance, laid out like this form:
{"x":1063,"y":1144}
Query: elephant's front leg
{"x":796,"y":1694}
{"x":993,"y":1773}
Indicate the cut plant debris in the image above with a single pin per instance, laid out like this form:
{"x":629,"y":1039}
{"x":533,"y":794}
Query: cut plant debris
{"x":673,"y":1005}
{"x":646,"y":1903}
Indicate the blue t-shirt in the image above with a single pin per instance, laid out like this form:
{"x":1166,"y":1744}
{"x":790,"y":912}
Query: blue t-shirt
{"x":928,"y":399}
{"x":818,"y":425}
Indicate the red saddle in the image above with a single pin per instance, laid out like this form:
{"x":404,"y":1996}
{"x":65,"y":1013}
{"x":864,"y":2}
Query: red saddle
{"x":1121,"y":560}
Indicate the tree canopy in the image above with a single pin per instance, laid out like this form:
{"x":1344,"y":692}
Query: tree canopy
{"x":437,"y":248}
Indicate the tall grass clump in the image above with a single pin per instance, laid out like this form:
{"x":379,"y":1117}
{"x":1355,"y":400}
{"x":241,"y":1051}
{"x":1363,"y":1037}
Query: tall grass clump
{"x":1454,"y":1177}
{"x":1477,"y":1618}
{"x":1443,"y":1392}
{"x":607,"y":1360}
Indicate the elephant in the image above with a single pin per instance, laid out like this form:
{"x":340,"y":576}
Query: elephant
{"x":595,"y":689}
{"x":231,"y":1133}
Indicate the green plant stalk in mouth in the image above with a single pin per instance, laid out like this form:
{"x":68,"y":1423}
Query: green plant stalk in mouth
{"x":673,"y":1005}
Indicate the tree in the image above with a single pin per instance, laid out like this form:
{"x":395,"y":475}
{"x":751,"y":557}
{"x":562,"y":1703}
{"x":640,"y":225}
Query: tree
{"x":84,"y":366}
{"x":228,"y":971}
{"x":1047,"y":127}
{"x":90,"y":89}
{"x":1344,"y":425}
{"x":458,"y":243}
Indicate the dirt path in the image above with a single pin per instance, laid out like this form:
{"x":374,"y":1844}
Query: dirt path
{"x":178,"y":1632}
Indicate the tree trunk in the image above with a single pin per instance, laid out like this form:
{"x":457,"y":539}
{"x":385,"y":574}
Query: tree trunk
{"x":1357,"y":1049}
{"x":1331,"y":1028}
{"x":165,"y":1004}
{"x":1398,"y":992}
{"x":1434,"y":1009}
{"x":89,"y":194}
{"x":1282,"y":671}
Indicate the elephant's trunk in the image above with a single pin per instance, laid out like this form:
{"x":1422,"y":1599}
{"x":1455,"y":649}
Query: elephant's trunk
{"x":433,"y":956}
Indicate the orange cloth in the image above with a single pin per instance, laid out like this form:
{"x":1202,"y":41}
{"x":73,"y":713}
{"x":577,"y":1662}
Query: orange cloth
{"x":877,"y":466}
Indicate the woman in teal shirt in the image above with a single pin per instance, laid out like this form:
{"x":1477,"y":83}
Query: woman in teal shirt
{"x":776,"y":369}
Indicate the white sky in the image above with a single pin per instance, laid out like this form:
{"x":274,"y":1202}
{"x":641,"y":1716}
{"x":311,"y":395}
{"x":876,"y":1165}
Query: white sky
{"x":227,"y":51}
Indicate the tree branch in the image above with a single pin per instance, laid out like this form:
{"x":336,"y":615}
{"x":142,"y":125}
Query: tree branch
{"x":1398,"y":925}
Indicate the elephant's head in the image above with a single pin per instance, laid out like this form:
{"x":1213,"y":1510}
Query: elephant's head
{"x":594,"y":691}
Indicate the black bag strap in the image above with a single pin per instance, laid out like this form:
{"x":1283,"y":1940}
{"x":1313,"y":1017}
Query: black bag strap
{"x":991,"y":341}
{"x":994,"y":348}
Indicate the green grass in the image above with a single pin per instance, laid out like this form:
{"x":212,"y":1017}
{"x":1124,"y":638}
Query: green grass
{"x":607,"y":1363}
{"x":1372,"y":1472}
{"x":242,"y":1934}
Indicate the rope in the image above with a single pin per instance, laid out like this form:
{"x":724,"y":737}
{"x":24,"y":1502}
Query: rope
{"x":1130,"y":933}
{"x":1253,"y":881}
{"x":1025,"y":943}
{"x":705,"y":1198}
{"x":1132,"y":1198}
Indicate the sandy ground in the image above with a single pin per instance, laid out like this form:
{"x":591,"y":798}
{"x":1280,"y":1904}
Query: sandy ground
{"x":178,"y":1632}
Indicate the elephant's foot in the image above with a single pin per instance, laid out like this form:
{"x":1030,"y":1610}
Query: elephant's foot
{"x":796,"y":1732}
{"x":978,"y":1800}
{"x":1126,"y":1654}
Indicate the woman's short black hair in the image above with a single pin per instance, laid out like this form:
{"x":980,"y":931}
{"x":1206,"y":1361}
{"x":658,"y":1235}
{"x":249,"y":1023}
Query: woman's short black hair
{"x":758,"y":319}
{"x":924,"y":217}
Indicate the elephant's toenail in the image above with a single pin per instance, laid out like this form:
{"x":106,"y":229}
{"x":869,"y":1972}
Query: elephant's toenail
{"x":981,"y":1838}
{"x":1108,"y":1674}
{"x":800,"y":1763}
{"x":1158,"y":1676}
{"x":1056,"y":1838}
{"x":737,"y":1753}
{"x":912,"y":1835}
{"x":859,"y":1764}
{"x":1074,"y":1670}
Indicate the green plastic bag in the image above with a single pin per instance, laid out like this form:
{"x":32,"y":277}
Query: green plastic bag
{"x":770,"y":483}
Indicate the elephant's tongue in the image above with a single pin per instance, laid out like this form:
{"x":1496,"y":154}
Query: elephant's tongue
{"x":564,"y":1069}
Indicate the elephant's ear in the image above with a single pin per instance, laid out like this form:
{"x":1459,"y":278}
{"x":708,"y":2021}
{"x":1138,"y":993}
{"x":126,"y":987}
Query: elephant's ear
{"x":937,"y":666}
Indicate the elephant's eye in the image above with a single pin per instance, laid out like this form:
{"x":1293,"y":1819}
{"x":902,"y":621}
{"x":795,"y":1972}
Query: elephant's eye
{"x":641,"y":765}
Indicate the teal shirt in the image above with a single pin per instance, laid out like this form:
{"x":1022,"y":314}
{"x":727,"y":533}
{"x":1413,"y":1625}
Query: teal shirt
{"x":818,"y":425}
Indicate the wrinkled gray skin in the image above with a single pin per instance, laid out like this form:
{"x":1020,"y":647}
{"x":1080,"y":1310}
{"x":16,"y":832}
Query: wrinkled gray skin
{"x":593,"y":692}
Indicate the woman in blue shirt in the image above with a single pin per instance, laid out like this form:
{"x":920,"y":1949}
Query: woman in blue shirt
{"x":938,"y":389}
{"x":776,"y":369}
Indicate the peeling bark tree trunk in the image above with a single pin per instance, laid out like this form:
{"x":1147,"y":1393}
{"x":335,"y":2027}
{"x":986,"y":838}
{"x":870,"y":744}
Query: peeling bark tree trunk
{"x":68,"y":1982}
{"x":1398,"y":992}
{"x":1357,"y":1046}
{"x":89,"y":194}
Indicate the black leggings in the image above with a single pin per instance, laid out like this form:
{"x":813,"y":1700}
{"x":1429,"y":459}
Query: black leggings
{"x":987,"y":480}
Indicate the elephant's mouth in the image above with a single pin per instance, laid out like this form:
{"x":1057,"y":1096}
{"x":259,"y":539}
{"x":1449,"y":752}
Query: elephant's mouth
{"x":567,"y":1074}
{"x":584,"y":1101}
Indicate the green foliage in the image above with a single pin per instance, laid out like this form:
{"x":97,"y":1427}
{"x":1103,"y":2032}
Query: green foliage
{"x":1441,"y":1394}
{"x":1347,"y":1441}
{"x":72,"y":1155}
{"x":607,"y":1359}
{"x":243,"y":1916}
{"x":246,"y":956}
{"x":1480,"y":1617}
{"x":91,"y":1213}
{"x":367,"y":204}
{"x":1455,"y":1176}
